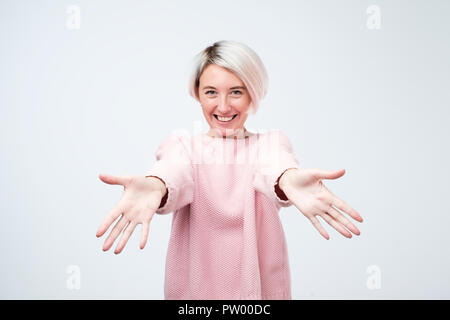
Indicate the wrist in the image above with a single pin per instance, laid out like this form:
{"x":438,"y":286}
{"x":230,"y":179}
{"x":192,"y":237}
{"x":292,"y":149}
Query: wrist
{"x":160,"y":183}
{"x":284,"y":178}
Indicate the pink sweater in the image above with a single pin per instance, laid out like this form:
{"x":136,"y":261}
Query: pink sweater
{"x":227,"y":241}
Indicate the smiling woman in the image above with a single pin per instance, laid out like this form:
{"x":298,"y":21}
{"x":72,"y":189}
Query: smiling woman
{"x":229,"y":80}
{"x":227,"y":241}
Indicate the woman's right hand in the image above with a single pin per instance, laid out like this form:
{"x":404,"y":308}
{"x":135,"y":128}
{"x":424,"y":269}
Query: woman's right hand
{"x":139,"y":202}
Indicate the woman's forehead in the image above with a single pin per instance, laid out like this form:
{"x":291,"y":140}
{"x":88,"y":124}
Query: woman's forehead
{"x":216,"y":76}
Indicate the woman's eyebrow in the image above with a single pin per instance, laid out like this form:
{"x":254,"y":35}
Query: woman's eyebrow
{"x":211,"y":87}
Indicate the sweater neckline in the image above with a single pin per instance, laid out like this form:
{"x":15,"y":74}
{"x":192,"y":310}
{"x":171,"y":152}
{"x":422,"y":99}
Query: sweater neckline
{"x":229,"y":139}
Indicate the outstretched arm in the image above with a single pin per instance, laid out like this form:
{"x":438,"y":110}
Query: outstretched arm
{"x":306,"y":191}
{"x":174,"y":171}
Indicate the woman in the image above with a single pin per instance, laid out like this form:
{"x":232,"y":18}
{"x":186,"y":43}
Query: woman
{"x":227,"y":241}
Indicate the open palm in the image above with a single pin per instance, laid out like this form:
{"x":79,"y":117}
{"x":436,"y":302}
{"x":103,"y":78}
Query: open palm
{"x":138,"y":204}
{"x":304,"y":188}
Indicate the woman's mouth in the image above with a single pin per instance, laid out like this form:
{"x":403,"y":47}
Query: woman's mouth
{"x":223,"y":120}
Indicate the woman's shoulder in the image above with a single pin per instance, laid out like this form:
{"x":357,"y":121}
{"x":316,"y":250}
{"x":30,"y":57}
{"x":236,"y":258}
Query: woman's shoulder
{"x":175,"y":143}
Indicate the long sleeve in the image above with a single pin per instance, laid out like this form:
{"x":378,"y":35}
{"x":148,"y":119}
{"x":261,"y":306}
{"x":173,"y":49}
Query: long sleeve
{"x":275,"y":156}
{"x":173,"y":166}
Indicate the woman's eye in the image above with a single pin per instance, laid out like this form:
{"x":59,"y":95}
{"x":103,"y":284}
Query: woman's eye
{"x":212,"y":91}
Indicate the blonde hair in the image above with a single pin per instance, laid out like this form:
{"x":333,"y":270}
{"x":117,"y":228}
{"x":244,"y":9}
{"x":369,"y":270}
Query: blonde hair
{"x":239,"y":59}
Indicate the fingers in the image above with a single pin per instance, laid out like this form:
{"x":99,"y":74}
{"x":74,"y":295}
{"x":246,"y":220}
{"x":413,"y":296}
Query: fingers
{"x":334,"y":218}
{"x":307,"y":212}
{"x":336,"y":225}
{"x":344,"y":221}
{"x":125,"y":236}
{"x":110,"y":179}
{"x":110,"y":218}
{"x":144,"y":236}
{"x":344,"y":207}
{"x":319,"y":227}
{"x":329,"y":174}
{"x":115,"y":233}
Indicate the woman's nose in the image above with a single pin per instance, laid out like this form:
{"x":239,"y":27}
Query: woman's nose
{"x":223,"y":106}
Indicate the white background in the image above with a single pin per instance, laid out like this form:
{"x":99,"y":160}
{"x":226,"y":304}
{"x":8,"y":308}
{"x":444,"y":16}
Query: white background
{"x":101,"y":98}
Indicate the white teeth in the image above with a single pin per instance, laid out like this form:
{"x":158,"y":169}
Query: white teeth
{"x":224,"y":118}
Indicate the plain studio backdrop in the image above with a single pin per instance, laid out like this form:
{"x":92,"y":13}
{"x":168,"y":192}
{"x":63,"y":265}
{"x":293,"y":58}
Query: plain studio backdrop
{"x":90,"y":87}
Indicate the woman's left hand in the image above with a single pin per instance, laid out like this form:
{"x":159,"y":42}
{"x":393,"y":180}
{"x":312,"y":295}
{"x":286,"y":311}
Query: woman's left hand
{"x":304,"y":188}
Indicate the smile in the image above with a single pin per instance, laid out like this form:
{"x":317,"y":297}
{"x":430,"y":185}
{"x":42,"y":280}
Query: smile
{"x":224,"y":119}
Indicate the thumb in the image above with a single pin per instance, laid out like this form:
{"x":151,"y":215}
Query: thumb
{"x":330,"y":174}
{"x":110,"y":179}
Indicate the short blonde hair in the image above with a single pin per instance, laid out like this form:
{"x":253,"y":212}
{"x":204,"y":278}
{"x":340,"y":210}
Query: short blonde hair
{"x":239,"y":59}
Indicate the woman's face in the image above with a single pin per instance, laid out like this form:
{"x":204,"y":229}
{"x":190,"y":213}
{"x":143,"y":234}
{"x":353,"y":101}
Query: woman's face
{"x":223,"y":94}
